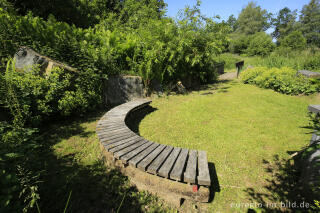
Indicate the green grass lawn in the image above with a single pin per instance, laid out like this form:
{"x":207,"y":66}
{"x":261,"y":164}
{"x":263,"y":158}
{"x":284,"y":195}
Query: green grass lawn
{"x":245,"y":130}
{"x":242,"y":128}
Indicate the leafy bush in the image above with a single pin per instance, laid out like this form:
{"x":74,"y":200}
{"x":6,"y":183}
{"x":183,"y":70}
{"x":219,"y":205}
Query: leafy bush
{"x":260,"y":44}
{"x":39,"y":98}
{"x":294,"y":41}
{"x":239,"y":43}
{"x":284,"y":80}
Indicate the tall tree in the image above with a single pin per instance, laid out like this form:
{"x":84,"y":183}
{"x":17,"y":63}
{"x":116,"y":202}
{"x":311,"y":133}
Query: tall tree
{"x":232,"y":22}
{"x":253,"y":19}
{"x":284,"y":24}
{"x":310,"y":22}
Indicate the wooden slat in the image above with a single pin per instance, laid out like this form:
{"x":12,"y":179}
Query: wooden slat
{"x":109,"y":127}
{"x":110,"y":146}
{"x":155,"y":165}
{"x":107,"y":138}
{"x":116,"y":131}
{"x":113,"y":131}
{"x":177,"y":171}
{"x":125,"y":145}
{"x":114,"y":140}
{"x":204,"y":176}
{"x":125,"y":158}
{"x":135,"y":160}
{"x":191,"y":170}
{"x":148,"y":159}
{"x":114,"y":134}
{"x":122,"y":152}
{"x":168,"y":164}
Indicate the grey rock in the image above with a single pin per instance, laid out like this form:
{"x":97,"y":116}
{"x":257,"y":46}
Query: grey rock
{"x":309,"y":74}
{"x":26,"y":59}
{"x":314,"y":108}
{"x":121,"y":89}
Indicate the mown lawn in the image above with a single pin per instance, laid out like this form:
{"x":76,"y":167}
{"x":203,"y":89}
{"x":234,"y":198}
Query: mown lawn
{"x":247,"y":133}
{"x":245,"y":130}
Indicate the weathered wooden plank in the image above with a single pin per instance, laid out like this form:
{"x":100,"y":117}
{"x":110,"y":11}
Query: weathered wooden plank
{"x":135,"y":160}
{"x":107,"y":126}
{"x":122,"y":152}
{"x":178,"y":168}
{"x":112,"y":130}
{"x":106,"y":143}
{"x":114,"y":140}
{"x":204,"y":176}
{"x":107,"y":138}
{"x":112,"y":145}
{"x":155,"y":165}
{"x":148,"y":159}
{"x":168,"y":164}
{"x":109,"y":134}
{"x":191,"y":170}
{"x":125,"y":158}
{"x":125,"y":145}
{"x":117,"y":130}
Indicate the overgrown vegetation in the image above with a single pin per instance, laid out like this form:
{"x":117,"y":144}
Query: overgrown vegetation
{"x":99,"y":39}
{"x":284,"y":80}
{"x":104,"y":38}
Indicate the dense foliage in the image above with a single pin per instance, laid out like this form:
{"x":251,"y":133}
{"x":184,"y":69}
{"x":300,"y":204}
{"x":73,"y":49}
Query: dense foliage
{"x":253,"y":19}
{"x":294,"y":41}
{"x":260,"y":44}
{"x":284,"y":80}
{"x":99,"y":39}
{"x":296,"y":34}
{"x":310,"y":22}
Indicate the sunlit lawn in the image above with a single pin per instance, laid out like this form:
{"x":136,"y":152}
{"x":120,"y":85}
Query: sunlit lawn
{"x":240,"y":126}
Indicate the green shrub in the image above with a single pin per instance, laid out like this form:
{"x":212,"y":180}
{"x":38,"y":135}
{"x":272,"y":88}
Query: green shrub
{"x":36,"y":98}
{"x":239,"y":43}
{"x":284,"y":80}
{"x":260,"y":44}
{"x":294,"y":41}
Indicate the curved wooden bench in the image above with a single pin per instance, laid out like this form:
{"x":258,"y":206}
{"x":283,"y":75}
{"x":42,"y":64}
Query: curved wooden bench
{"x":165,"y":170}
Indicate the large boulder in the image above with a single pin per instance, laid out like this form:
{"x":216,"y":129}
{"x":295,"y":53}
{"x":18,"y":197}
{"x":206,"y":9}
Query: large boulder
{"x":309,"y":74}
{"x":26,"y":58}
{"x":121,"y":89}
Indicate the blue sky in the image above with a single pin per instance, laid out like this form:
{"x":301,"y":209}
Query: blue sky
{"x":224,"y":8}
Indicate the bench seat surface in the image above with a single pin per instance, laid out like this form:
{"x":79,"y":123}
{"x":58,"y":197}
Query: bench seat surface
{"x":180,"y":164}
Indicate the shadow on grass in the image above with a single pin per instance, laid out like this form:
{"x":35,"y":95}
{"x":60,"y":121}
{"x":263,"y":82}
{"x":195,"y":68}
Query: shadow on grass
{"x":94,"y":187}
{"x":215,"y":186}
{"x":134,"y":119}
{"x":283,"y":189}
{"x":221,"y":86}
